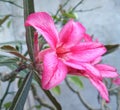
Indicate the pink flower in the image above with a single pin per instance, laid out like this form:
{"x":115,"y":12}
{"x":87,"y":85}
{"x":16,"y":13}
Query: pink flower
{"x":67,"y":49}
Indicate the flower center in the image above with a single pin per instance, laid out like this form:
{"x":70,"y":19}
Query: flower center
{"x":61,"y":52}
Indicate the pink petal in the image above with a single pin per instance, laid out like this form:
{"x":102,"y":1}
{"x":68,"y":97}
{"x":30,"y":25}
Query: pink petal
{"x":41,"y":54}
{"x":100,"y":87}
{"x":117,"y":81}
{"x":54,"y":71}
{"x":107,"y":71}
{"x":97,"y":60}
{"x":87,"y":52}
{"x":87,"y":38}
{"x":71,"y":33}
{"x":44,"y":24}
{"x":83,"y":66}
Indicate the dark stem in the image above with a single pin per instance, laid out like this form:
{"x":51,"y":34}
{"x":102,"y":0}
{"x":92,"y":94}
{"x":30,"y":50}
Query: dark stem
{"x":5,"y":94}
{"x":89,"y":107}
{"x":39,"y":100}
{"x":11,"y":3}
{"x":80,"y":2}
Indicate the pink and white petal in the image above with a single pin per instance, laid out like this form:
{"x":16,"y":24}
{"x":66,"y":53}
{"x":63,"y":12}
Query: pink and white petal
{"x":97,"y":60}
{"x":40,"y":56}
{"x":100,"y":86}
{"x":107,"y":71}
{"x":105,"y":67}
{"x":54,"y":71}
{"x":44,"y":24}
{"x":91,"y":70}
{"x":87,"y":52}
{"x":87,"y":38}
{"x":83,"y":66}
{"x":71,"y":33}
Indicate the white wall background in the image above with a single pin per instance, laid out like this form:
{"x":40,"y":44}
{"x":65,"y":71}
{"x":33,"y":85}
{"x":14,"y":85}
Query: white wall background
{"x":103,"y":23}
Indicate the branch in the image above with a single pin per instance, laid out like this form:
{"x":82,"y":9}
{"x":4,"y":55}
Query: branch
{"x":80,"y":2}
{"x":11,"y":3}
{"x":5,"y":94}
{"x":87,"y":10}
{"x":80,"y":97}
{"x":6,"y":77}
{"x":62,"y":7}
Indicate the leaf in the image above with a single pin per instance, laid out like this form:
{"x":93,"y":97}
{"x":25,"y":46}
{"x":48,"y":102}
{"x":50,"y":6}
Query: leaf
{"x":13,"y":42}
{"x":76,"y":80}
{"x":56,"y":90}
{"x":37,"y":107}
{"x":28,"y":9}
{"x":7,"y":105}
{"x":8,"y":48}
{"x":111,"y":48}
{"x":21,"y":95}
{"x":12,"y":50}
{"x":4,"y":19}
{"x":9,"y":23}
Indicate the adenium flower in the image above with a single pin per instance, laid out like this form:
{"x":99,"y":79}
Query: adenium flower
{"x":69,"y":48}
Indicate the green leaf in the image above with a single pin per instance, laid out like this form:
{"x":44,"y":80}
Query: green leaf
{"x":4,"y":19}
{"x":7,"y":105}
{"x":37,"y":107}
{"x":76,"y":80}
{"x":12,"y":50}
{"x":9,"y":23}
{"x":56,"y":90}
{"x":111,"y":48}
{"x":21,"y":95}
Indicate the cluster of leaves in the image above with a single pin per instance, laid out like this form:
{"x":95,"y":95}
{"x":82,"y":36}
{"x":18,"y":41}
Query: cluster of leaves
{"x":23,"y":69}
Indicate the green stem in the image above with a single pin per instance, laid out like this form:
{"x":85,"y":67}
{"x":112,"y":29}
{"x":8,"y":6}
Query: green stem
{"x":28,"y":9}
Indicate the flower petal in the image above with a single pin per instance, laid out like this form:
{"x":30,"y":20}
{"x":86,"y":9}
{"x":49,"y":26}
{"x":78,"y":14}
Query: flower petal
{"x":100,"y":87}
{"x":54,"y":71}
{"x":107,"y":71}
{"x":87,"y":52}
{"x":44,"y":24}
{"x":72,"y":33}
{"x":83,"y":66}
{"x":117,"y":81}
{"x":87,"y":38}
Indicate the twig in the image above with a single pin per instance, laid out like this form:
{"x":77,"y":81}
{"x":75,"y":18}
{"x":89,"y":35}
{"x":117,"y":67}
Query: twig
{"x":11,"y":3}
{"x":89,"y":107}
{"x":12,"y":74}
{"x":80,"y":2}
{"x":62,"y":7}
{"x":87,"y":10}
{"x":5,"y":94}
